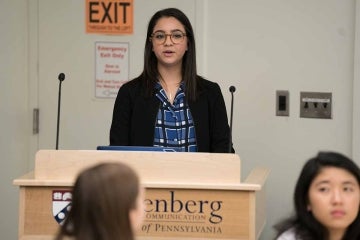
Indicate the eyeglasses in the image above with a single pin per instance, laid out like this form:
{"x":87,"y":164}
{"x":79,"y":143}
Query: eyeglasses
{"x":160,"y":37}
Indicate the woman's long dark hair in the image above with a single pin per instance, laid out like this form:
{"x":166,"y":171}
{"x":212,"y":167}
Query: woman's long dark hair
{"x":304,"y":223}
{"x":102,"y":198}
{"x":150,"y":73}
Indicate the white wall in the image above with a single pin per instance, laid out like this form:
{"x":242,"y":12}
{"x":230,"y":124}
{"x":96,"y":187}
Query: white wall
{"x":356,"y":87}
{"x":14,"y":129}
{"x":259,"y":46}
{"x":262,"y":46}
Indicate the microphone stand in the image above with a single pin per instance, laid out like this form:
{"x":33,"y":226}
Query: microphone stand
{"x":61,"y":78}
{"x":232,"y":90}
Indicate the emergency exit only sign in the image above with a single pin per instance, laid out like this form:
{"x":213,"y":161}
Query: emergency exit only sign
{"x":113,"y":17}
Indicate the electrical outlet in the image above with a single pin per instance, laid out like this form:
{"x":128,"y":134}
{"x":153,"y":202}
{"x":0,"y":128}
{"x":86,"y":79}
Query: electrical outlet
{"x":315,"y":105}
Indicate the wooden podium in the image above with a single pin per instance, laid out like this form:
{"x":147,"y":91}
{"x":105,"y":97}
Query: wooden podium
{"x":188,"y":195}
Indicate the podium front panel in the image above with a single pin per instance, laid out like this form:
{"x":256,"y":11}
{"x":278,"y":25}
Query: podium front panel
{"x":169,"y":213}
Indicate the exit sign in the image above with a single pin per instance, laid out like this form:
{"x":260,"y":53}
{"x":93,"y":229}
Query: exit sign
{"x":112,"y":17}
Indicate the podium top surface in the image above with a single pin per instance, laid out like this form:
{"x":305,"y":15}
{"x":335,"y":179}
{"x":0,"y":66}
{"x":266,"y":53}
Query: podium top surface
{"x":151,"y":166}
{"x":156,"y":169}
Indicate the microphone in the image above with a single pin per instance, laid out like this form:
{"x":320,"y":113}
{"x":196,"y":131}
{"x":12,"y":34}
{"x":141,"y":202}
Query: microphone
{"x":61,"y":78}
{"x":232,"y":90}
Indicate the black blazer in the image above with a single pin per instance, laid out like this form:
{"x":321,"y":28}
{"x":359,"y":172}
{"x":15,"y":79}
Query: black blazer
{"x":134,"y":116}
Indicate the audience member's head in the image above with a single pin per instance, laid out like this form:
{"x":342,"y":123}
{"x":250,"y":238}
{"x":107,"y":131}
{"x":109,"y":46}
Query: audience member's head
{"x":326,"y":199}
{"x":107,"y":204}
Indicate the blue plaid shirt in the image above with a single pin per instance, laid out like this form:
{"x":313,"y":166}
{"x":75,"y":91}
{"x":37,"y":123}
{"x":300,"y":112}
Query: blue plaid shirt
{"x":174,"y":127}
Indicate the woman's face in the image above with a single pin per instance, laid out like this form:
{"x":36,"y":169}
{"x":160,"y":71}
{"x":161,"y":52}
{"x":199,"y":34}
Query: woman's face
{"x":169,"y":50}
{"x":334,"y":198}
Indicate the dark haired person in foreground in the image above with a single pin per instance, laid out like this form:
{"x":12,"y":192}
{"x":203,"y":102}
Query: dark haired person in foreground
{"x":107,"y":204}
{"x":327,"y":200}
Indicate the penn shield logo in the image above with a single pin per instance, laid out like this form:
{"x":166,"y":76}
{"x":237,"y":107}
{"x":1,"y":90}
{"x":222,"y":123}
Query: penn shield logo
{"x":61,"y":204}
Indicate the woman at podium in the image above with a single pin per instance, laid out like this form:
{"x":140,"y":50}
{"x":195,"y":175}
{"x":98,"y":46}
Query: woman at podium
{"x":168,"y":104}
